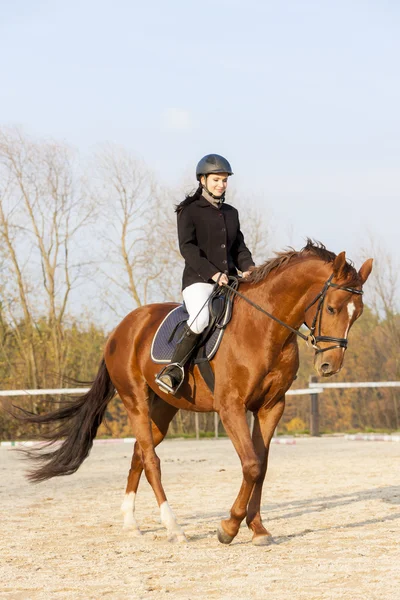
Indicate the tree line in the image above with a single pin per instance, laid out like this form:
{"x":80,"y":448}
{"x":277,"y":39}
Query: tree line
{"x":81,"y":241}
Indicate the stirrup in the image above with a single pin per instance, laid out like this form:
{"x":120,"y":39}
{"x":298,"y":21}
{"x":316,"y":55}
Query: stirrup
{"x":164,"y":386}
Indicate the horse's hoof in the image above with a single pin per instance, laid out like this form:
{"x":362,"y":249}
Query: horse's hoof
{"x":135,"y":533}
{"x":177,"y":538}
{"x":132,"y":528}
{"x":223,"y":537}
{"x":262,"y":540}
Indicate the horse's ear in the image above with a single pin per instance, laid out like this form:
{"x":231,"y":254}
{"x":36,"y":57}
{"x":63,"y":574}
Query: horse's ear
{"x":365,"y":270}
{"x":338,"y":265}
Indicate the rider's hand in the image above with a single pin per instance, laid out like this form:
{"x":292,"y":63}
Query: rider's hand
{"x":246,"y":274}
{"x":223,"y":279}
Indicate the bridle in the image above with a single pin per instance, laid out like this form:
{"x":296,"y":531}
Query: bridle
{"x":320,"y":298}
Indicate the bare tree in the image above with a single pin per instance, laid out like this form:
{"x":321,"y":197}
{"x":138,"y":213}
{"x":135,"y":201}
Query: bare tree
{"x":135,"y":241}
{"x":41,"y":214}
{"x":384,"y":299}
{"x":383,"y":288}
{"x":255,"y":227}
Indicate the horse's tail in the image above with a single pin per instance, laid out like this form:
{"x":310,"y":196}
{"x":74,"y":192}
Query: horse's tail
{"x":77,"y":422}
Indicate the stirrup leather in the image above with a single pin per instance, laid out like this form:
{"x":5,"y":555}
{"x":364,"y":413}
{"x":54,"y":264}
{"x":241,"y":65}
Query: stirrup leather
{"x":164,"y":386}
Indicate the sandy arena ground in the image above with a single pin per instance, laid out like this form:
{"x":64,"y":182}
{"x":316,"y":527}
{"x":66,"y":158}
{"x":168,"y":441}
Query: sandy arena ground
{"x":333,"y":507}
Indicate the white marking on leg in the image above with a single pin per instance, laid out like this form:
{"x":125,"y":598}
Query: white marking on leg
{"x":128,"y":510}
{"x":168,"y":520}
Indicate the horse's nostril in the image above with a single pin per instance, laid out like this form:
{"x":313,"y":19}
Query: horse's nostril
{"x":325,"y":367}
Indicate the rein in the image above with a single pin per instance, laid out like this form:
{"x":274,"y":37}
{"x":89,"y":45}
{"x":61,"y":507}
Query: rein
{"x":258,"y":307}
{"x":320,"y":298}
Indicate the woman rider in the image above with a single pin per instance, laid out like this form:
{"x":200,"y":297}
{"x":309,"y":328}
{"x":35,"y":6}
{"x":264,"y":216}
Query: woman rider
{"x":213,"y":247}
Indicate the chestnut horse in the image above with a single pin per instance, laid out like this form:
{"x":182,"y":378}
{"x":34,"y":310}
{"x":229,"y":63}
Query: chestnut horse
{"x":254,"y":367}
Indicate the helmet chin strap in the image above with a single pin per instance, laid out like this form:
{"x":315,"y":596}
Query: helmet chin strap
{"x":219,"y":198}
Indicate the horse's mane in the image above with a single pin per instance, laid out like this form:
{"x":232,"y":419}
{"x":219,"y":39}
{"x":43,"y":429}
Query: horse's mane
{"x":312,"y":248}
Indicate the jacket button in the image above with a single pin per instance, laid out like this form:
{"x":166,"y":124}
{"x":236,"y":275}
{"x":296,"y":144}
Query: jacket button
{"x":222,"y":245}
{"x":223,"y":230}
{"x":224,"y":262}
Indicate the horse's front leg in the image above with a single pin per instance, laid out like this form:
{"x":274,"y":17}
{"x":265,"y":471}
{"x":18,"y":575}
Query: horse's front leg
{"x":264,"y":426}
{"x":236,"y":427}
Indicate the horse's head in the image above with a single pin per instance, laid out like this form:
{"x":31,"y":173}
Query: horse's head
{"x":334,"y":312}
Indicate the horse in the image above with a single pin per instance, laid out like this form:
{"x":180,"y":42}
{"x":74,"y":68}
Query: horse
{"x":254,"y":367}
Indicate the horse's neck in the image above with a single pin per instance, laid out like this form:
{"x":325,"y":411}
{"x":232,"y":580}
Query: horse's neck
{"x":286,"y":293}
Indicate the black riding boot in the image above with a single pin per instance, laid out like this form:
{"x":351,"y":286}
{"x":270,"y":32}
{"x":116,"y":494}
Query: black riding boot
{"x":171,"y":377}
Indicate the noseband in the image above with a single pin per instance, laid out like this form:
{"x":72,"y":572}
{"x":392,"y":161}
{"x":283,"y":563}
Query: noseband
{"x":320,"y":298}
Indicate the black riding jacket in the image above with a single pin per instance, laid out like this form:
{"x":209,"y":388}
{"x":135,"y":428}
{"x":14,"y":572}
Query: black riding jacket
{"x":210,"y":241}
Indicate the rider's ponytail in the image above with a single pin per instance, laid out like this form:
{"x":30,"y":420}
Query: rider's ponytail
{"x":189,"y":199}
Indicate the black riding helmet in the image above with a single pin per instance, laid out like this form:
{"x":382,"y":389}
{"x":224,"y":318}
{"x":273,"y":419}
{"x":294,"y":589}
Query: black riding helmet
{"x":213,"y":163}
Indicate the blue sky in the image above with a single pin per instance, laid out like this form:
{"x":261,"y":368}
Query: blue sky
{"x":302,"y":96}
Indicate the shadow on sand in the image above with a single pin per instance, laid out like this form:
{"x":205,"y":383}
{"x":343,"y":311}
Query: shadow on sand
{"x":388,"y":494}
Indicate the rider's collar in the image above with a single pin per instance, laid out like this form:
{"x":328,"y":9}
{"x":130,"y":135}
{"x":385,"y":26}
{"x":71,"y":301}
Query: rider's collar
{"x":216,"y":202}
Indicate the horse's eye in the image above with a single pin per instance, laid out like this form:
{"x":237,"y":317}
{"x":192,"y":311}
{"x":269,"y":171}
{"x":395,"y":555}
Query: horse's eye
{"x":331,"y":310}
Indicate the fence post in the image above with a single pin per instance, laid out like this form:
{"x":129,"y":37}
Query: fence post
{"x":216,"y":422}
{"x":314,"y":416}
{"x":196,"y":425}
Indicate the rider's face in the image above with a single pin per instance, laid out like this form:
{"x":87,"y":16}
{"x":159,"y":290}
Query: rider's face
{"x":216,"y":183}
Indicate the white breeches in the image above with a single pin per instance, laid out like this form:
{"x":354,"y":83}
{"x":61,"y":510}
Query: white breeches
{"x":195,"y":296}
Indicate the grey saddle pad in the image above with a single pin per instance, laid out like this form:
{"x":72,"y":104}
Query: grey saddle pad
{"x":162,"y":349}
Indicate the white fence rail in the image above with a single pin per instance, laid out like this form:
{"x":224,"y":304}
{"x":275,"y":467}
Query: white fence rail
{"x":313,"y":390}
{"x":43,"y":392}
{"x":72,"y":391}
{"x":355,"y":384}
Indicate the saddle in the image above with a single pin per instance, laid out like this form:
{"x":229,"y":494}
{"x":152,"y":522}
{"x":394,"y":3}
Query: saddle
{"x":171,"y":328}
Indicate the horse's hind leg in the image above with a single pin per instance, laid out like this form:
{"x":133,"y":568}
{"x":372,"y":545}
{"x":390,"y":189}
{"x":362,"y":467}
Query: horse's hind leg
{"x":128,"y":504}
{"x":161,"y":415}
{"x":137,"y":405}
